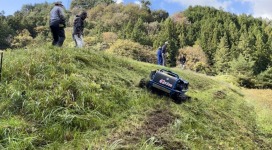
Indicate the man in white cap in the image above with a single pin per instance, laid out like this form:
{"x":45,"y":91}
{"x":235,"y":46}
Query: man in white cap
{"x":57,"y":24}
{"x":164,"y":53}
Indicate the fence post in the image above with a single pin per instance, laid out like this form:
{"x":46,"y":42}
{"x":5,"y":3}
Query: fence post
{"x":1,"y":62}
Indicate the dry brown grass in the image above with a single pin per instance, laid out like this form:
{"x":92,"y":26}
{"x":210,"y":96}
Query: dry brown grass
{"x":262,"y":102}
{"x":260,"y":97}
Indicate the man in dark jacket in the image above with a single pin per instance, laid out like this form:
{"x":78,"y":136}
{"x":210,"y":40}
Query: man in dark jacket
{"x":57,"y":24}
{"x":182,"y":61}
{"x":78,"y":29}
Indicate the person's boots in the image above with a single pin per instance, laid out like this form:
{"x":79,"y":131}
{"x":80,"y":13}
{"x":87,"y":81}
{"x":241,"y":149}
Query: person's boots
{"x":61,"y":40}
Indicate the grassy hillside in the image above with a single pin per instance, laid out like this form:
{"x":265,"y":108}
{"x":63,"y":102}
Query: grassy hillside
{"x":262,"y":102}
{"x":66,"y":98}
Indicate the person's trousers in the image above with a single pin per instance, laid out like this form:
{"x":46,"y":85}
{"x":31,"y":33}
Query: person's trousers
{"x":163,"y":59}
{"x":159,"y":59}
{"x":58,"y":35}
{"x":78,"y":40}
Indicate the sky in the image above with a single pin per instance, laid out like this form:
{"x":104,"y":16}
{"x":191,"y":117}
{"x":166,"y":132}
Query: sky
{"x":256,"y":8}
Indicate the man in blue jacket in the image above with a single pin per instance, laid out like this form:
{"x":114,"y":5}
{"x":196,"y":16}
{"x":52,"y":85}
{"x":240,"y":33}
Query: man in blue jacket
{"x":159,"y":56}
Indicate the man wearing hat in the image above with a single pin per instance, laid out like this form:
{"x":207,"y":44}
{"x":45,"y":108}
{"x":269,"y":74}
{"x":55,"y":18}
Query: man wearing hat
{"x":57,"y":24}
{"x":164,"y":53}
{"x":78,"y":29}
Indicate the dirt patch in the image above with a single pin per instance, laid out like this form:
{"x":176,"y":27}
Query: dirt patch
{"x":219,"y":95}
{"x":170,"y":144}
{"x":154,"y":125}
{"x":155,"y":121}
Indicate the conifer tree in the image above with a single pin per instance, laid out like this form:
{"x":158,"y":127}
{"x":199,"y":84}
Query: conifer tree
{"x":183,"y":40}
{"x":137,"y":33}
{"x":222,"y":56}
{"x":168,"y":33}
{"x":241,"y":66}
{"x":244,"y":46}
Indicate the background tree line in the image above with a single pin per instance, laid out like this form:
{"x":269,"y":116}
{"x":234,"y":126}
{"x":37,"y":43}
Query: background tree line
{"x":216,"y":42}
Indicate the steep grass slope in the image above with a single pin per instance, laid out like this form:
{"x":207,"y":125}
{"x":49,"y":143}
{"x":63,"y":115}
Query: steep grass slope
{"x":65,"y":98}
{"x":262,"y":102}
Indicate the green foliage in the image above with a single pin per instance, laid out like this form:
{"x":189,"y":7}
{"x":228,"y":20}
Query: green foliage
{"x":113,"y":17}
{"x":168,"y":33}
{"x":87,"y":4}
{"x":243,"y":34}
{"x":222,"y":56}
{"x":195,"y":58}
{"x":241,"y":66}
{"x":265,"y":78}
{"x":159,"y":15}
{"x":22,"y":39}
{"x":5,"y":33}
{"x":133,"y":50}
{"x":138,"y":33}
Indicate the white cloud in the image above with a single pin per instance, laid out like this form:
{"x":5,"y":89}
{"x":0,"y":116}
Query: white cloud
{"x":119,"y":1}
{"x":137,"y":2}
{"x":261,"y":8}
{"x":213,"y":3}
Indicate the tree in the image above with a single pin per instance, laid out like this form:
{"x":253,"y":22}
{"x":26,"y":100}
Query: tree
{"x":245,"y":46}
{"x":241,"y":66}
{"x":138,"y":33}
{"x":5,"y":32}
{"x":262,"y":52}
{"x":265,"y":78}
{"x":126,"y":31}
{"x":86,"y":4}
{"x":145,"y":4}
{"x":168,"y":33}
{"x":222,"y":56}
{"x":159,"y":15}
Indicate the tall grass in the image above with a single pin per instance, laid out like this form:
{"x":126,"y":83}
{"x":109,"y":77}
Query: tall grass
{"x":66,"y":98}
{"x":261,"y":100}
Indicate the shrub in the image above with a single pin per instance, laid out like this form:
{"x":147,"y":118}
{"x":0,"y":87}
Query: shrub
{"x":241,"y":66}
{"x":133,"y":50}
{"x":109,"y":37}
{"x":23,"y":39}
{"x":195,"y":58}
{"x":89,"y":40}
{"x":265,"y":78}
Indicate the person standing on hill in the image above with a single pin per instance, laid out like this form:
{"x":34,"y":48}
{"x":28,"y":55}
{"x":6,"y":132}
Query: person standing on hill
{"x":182,"y":61}
{"x":164,"y":51}
{"x":159,"y":56}
{"x":57,"y":24}
{"x":78,"y":29}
